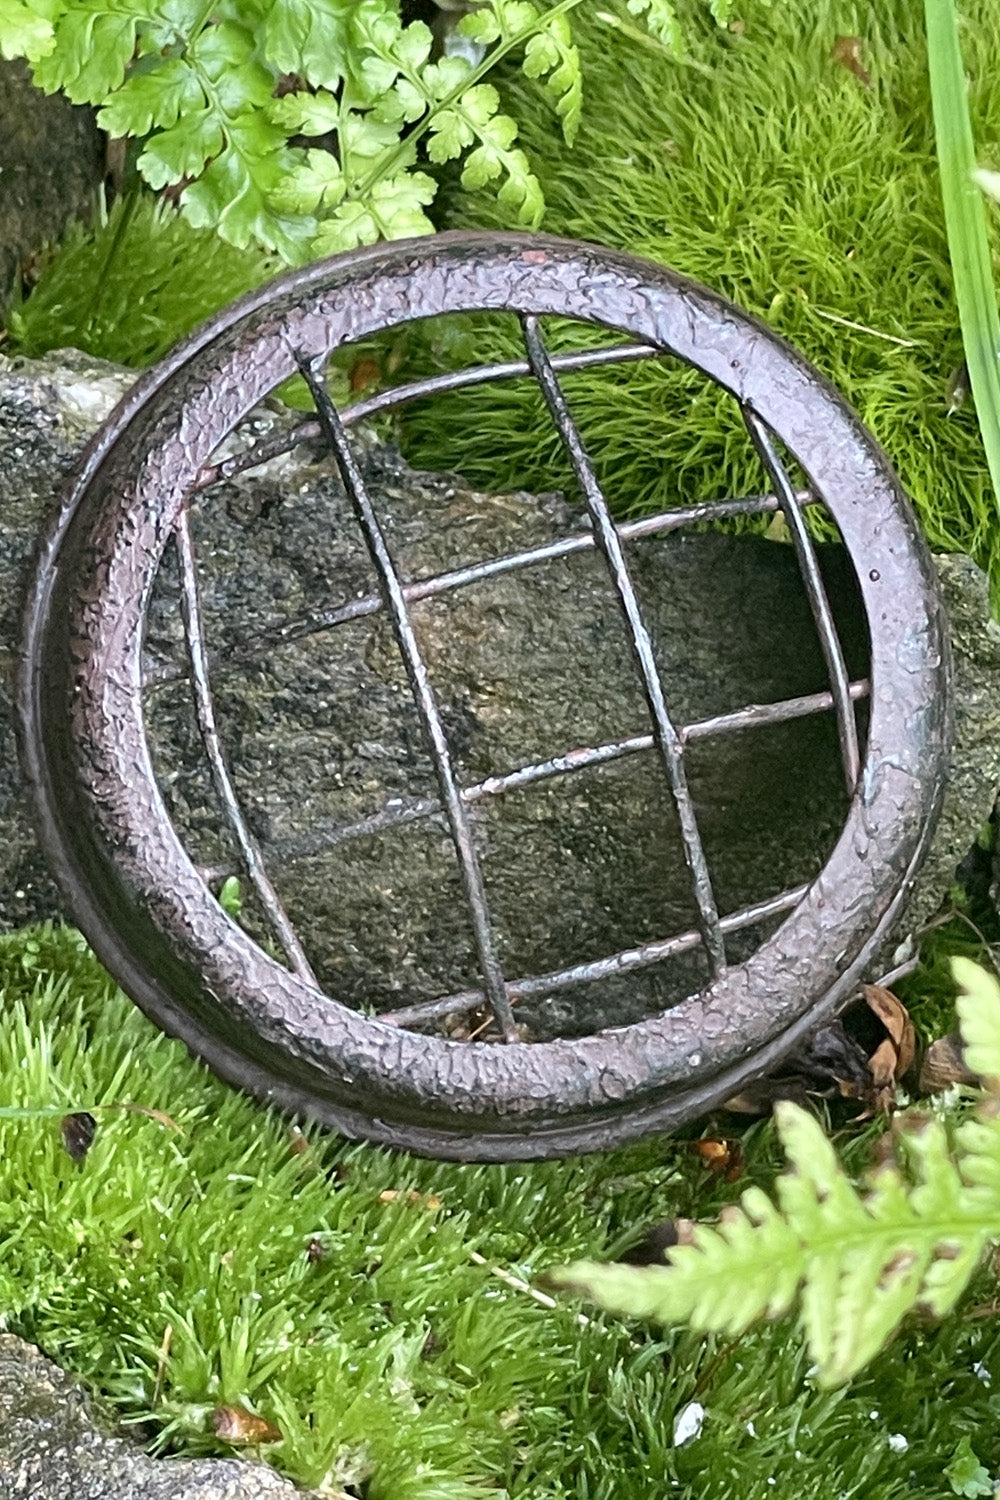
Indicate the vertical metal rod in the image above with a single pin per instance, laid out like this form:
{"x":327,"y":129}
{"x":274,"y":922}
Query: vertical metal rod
{"x":208,"y":728}
{"x":667,"y":739}
{"x":819,"y":603}
{"x":416,"y":669}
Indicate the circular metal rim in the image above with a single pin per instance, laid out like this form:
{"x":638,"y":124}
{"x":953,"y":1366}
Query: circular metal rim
{"x":137,"y":896}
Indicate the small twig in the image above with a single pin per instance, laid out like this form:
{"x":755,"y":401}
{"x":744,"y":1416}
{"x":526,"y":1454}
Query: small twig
{"x":952,"y":915}
{"x":161,"y":1363}
{"x":984,"y":1310}
{"x":518,"y":1285}
{"x":876,"y":333}
{"x":886,"y":981}
{"x":706,"y":1376}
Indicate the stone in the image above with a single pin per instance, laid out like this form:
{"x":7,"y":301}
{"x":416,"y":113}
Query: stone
{"x":51,"y":167}
{"x":320,"y":731}
{"x":56,"y":1444}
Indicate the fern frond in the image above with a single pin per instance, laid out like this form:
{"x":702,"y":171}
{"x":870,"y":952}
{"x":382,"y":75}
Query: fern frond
{"x":857,"y":1261}
{"x":551,"y":52}
{"x":661,"y":19}
{"x":979,"y":1017}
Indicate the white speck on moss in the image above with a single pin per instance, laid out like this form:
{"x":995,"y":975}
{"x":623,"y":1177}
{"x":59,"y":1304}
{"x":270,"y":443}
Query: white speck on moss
{"x":898,"y":1443}
{"x":982,"y":1373}
{"x":688,"y":1423}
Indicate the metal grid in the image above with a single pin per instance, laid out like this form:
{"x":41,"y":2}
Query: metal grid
{"x":132,"y":887}
{"x":499,"y":994}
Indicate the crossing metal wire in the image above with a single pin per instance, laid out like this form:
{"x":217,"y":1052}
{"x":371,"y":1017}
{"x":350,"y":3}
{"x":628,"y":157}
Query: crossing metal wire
{"x":667,"y":740}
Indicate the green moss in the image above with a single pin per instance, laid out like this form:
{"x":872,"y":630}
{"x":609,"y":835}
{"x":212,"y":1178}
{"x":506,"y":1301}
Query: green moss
{"x":768,"y":171}
{"x":397,"y":1366}
{"x":128,"y":288}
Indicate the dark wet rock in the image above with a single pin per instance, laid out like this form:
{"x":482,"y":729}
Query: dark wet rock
{"x":321,"y":733}
{"x":51,"y":165}
{"x":55,"y":1444}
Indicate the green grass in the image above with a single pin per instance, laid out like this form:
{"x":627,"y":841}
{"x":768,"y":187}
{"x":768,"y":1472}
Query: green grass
{"x":965,"y":216}
{"x":396,"y":1365}
{"x":768,"y":171}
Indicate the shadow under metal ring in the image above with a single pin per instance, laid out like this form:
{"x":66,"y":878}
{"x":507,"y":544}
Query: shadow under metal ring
{"x":149,"y":914}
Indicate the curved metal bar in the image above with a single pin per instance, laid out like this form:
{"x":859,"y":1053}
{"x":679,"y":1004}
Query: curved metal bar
{"x":208,"y":729}
{"x":609,"y":544}
{"x":423,"y":693}
{"x":426,"y":588}
{"x":625,"y":962}
{"x":847,"y":729}
{"x":400,"y":395}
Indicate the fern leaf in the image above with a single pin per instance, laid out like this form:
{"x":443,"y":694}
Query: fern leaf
{"x":857,"y":1261}
{"x":551,"y":51}
{"x":91,"y":49}
{"x":309,"y":37}
{"x":25,"y":30}
{"x":661,"y":20}
{"x":979,"y":1017}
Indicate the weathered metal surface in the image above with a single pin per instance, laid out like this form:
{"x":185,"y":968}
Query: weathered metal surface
{"x":147,"y":909}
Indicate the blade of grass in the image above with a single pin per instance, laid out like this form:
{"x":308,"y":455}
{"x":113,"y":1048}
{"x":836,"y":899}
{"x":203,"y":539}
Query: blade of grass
{"x":965,"y":218}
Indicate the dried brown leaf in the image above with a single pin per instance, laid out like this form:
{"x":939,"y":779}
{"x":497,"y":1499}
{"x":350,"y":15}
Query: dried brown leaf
{"x":848,"y":51}
{"x":234,"y":1424}
{"x":944,"y":1065}
{"x":724,"y":1157}
{"x":880,"y":1096}
{"x":883,"y":1065}
{"x":896,"y":1020}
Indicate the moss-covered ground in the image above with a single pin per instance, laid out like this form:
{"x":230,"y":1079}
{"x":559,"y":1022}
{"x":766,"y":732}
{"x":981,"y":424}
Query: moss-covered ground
{"x":376,"y":1335}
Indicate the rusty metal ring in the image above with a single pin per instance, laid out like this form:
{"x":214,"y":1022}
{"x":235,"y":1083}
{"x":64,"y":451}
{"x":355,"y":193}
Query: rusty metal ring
{"x":137,"y":896}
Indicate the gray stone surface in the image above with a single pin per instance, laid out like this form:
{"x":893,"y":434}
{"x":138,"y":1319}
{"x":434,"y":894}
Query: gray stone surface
{"x":321,"y":731}
{"x":56,"y":1445}
{"x":51,"y":165}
